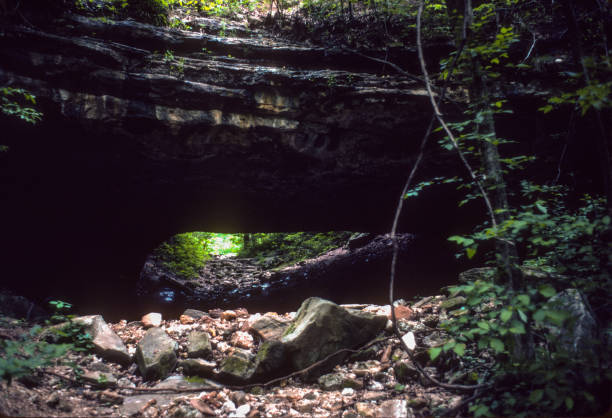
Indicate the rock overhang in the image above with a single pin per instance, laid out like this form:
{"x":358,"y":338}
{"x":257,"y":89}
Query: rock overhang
{"x":135,"y":147}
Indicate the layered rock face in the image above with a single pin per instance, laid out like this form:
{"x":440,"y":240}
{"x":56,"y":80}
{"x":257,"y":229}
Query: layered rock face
{"x":151,"y":131}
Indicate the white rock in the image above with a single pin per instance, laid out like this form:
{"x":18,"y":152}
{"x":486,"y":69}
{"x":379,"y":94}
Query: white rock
{"x":376,"y":386}
{"x":348,"y":392}
{"x":241,"y":412}
{"x":228,"y":406}
{"x":409,"y":340}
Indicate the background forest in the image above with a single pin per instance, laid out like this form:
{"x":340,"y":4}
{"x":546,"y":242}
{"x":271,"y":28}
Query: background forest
{"x":545,"y":229}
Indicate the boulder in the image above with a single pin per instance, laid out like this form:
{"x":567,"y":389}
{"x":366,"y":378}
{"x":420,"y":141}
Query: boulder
{"x":106,"y":343}
{"x":156,"y":354}
{"x":321,"y":328}
{"x":238,"y":368}
{"x":269,"y":327}
{"x":270,"y":360}
{"x":580,"y":329}
{"x":198,"y":344}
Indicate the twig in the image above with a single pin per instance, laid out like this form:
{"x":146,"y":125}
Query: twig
{"x":385,"y":62}
{"x":438,"y":115}
{"x":535,"y":39}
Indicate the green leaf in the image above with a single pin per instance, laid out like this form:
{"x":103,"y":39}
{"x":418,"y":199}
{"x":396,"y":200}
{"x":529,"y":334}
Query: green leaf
{"x":539,"y":315}
{"x":557,"y":317}
{"x":471,"y":252}
{"x":522,"y":315}
{"x":459,"y":349}
{"x":505,"y":315}
{"x":569,"y":403}
{"x":497,"y":345}
{"x":450,"y":344}
{"x":536,"y":396}
{"x":484,"y":325}
{"x":547,"y":291}
{"x":517,"y":327}
{"x":434,"y":352}
{"x":524,"y":299}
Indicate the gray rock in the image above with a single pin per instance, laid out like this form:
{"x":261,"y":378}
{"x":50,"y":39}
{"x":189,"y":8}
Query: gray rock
{"x":580,"y":330}
{"x":395,"y":408}
{"x":237,"y":368}
{"x":478,"y":273}
{"x":338,"y":381}
{"x":322,"y":328}
{"x":453,"y":302}
{"x":155,"y":354}
{"x":106,"y":343}
{"x":99,"y":379}
{"x":198,"y":344}
{"x":198,"y":367}
{"x":194,"y":313}
{"x":270,"y":327}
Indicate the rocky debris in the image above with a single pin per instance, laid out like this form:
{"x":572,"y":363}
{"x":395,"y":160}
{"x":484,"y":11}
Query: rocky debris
{"x":322,"y":328}
{"x":151,"y":320}
{"x":580,"y":330}
{"x":367,"y":382}
{"x":107,"y":344}
{"x":198,"y":344}
{"x":156,"y":354}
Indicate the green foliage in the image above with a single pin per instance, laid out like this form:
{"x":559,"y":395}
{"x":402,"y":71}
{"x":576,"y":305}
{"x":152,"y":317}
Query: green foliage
{"x":68,"y":331}
{"x":22,"y":357}
{"x":550,"y":382}
{"x":176,"y":66}
{"x":184,"y":254}
{"x":288,"y":248}
{"x":15,"y":101}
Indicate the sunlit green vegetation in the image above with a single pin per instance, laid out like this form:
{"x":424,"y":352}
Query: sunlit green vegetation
{"x":185,"y":255}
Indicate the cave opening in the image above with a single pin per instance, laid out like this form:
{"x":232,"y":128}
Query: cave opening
{"x":274,"y":271}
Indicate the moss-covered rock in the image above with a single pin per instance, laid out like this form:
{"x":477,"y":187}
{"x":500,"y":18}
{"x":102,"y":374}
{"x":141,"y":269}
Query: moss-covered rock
{"x":321,"y":328}
{"x":237,"y":368}
{"x":156,"y":354}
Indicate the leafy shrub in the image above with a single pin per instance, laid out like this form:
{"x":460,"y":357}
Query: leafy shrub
{"x":287,"y":248}
{"x":22,"y":357}
{"x":184,"y":254}
{"x":15,"y":102}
